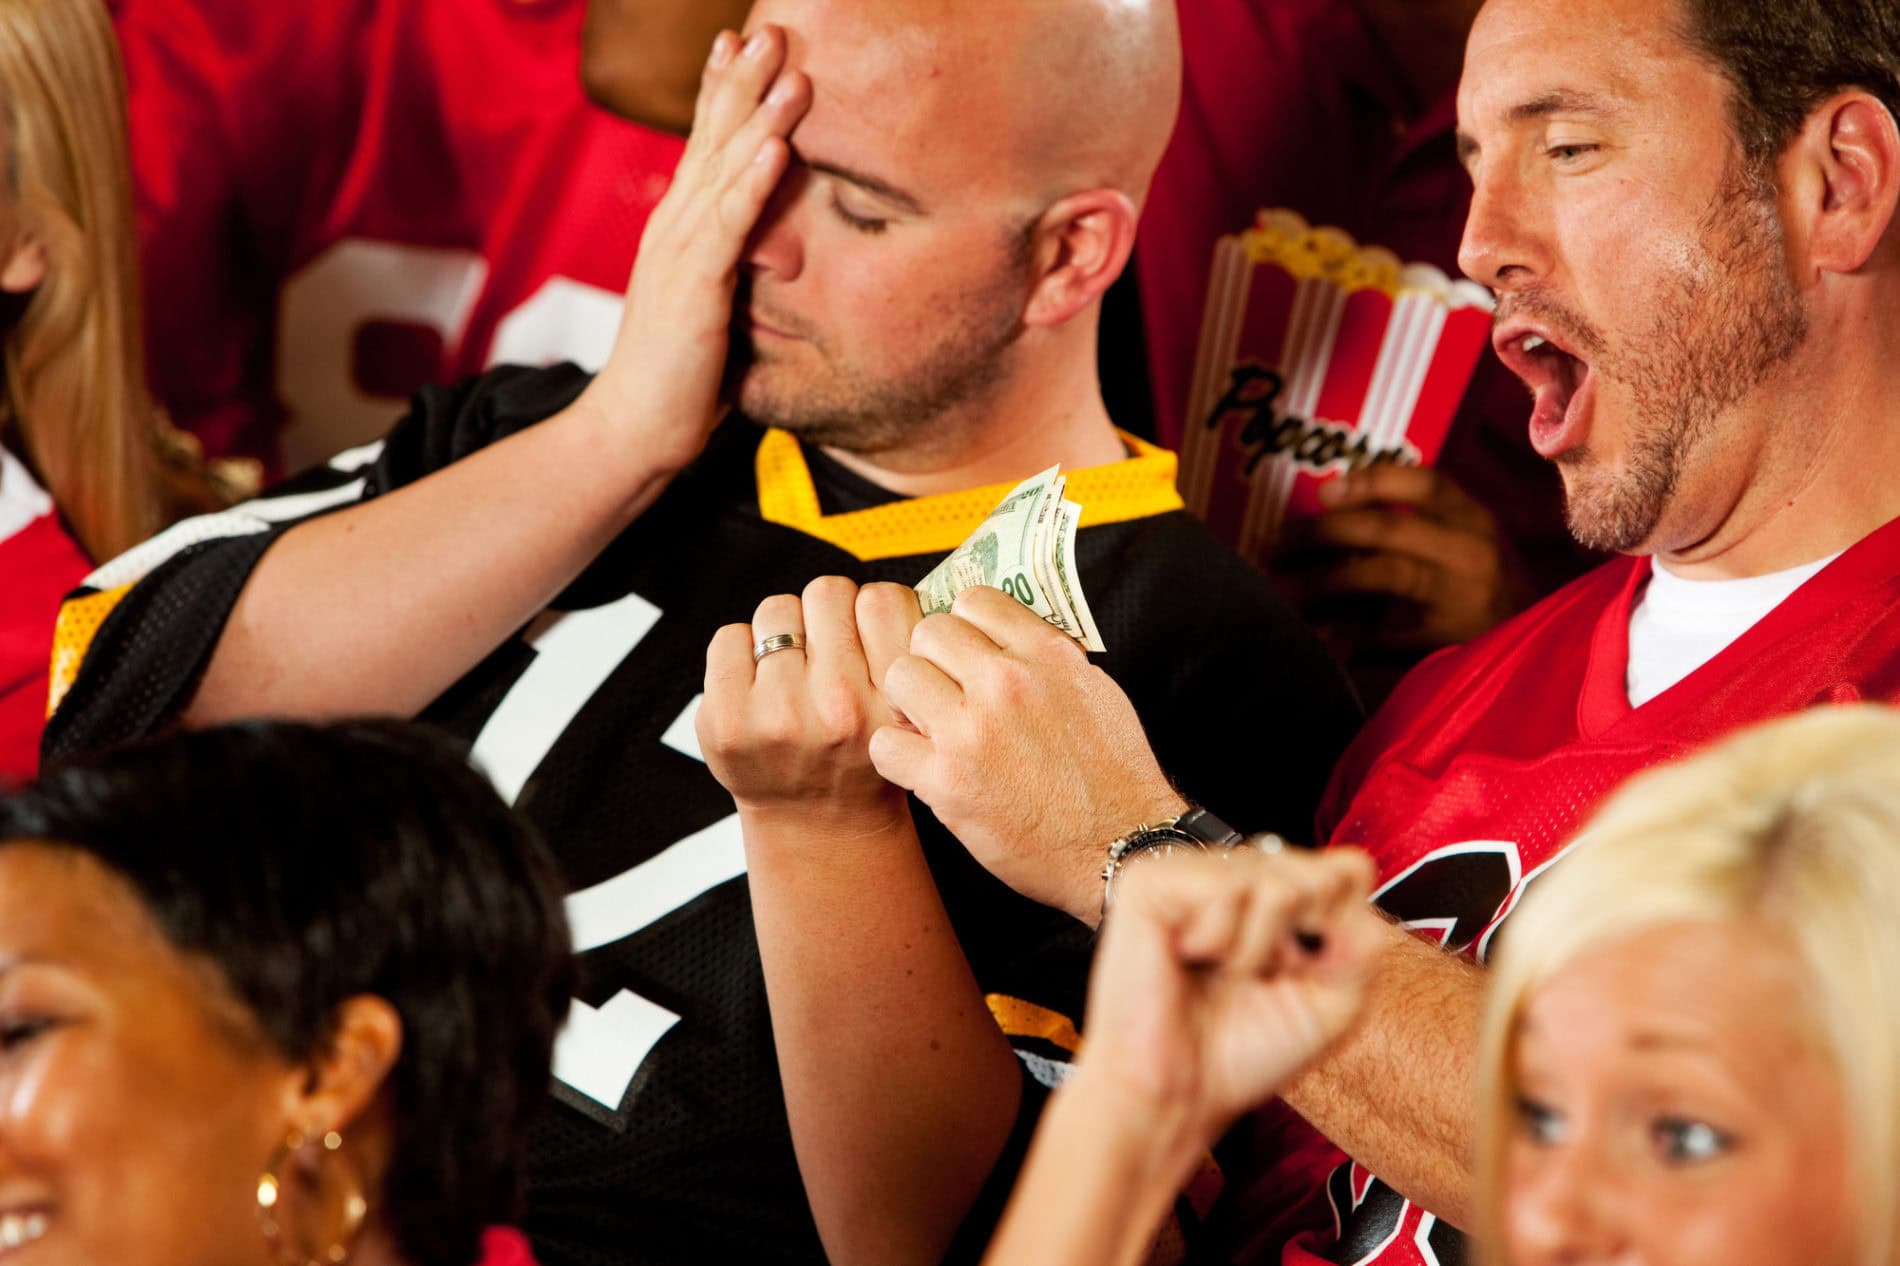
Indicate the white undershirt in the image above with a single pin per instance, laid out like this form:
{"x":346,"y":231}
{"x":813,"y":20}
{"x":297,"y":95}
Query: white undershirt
{"x":1679,"y":625}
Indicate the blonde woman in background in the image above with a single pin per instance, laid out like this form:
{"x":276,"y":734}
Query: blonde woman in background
{"x":87,"y":467}
{"x":1692,"y":1041}
{"x":1691,"y":1049}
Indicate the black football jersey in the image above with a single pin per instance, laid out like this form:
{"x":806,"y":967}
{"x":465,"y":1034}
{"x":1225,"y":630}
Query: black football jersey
{"x":668,"y":1140}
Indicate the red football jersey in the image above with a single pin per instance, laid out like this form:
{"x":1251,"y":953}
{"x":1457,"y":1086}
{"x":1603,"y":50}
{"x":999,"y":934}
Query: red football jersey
{"x":39,"y":565}
{"x":1478,"y":770}
{"x":339,"y":202}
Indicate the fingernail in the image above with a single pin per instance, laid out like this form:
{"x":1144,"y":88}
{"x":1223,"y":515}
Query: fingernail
{"x":722,"y":49}
{"x":781,"y":92}
{"x":755,"y":47}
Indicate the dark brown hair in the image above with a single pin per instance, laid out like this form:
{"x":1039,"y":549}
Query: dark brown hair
{"x":1785,"y":57}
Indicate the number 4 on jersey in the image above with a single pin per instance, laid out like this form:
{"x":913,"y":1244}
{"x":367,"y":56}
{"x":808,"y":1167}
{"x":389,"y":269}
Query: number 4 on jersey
{"x":600,"y":1049}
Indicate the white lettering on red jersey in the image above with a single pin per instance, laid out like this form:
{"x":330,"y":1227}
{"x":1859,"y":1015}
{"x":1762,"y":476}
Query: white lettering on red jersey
{"x":340,"y":202}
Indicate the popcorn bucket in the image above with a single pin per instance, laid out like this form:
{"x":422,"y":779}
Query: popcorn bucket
{"x":1317,"y":356}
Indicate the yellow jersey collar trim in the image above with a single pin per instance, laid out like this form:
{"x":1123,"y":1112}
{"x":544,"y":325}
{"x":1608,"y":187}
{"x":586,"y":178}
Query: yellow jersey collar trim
{"x":1136,"y":487}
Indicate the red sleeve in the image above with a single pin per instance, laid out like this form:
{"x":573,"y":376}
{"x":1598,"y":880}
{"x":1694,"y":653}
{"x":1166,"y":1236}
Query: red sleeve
{"x":41,"y":565}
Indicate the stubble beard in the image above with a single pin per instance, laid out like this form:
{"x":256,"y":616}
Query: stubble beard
{"x":841,"y":405}
{"x":1721,"y":325}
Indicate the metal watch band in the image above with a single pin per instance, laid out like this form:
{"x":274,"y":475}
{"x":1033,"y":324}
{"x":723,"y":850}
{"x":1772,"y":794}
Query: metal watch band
{"x":1197,"y":828}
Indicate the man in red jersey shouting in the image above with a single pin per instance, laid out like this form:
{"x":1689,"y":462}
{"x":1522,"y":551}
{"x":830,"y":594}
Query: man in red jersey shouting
{"x":1687,"y":211}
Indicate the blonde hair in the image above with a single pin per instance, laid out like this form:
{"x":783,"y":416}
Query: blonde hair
{"x":1794,"y":827}
{"x":75,"y":398}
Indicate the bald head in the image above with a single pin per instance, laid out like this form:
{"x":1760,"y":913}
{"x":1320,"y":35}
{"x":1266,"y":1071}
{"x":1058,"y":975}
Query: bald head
{"x":1047,"y":97}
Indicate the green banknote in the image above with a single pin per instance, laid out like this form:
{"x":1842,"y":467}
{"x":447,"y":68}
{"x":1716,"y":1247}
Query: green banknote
{"x":1026,"y":548}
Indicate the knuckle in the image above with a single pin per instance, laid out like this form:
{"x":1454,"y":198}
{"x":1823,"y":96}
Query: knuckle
{"x":884,"y":598}
{"x":831,"y":589}
{"x":1010,"y":682}
{"x":901,"y":674}
{"x":929,"y":636}
{"x":840,"y":720}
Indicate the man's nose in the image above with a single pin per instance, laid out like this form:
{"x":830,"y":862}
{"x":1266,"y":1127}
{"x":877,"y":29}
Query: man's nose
{"x":1502,"y":247}
{"x":776,"y":245}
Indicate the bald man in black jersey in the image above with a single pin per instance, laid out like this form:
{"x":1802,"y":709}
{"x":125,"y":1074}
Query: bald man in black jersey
{"x":886,"y":245}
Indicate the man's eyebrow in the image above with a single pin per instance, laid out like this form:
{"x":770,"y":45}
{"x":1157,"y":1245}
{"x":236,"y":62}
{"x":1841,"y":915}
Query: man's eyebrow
{"x":1556,"y":101}
{"x":882,"y":188}
{"x":1560,"y":101}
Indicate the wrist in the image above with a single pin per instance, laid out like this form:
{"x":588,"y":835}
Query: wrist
{"x":819,"y":820}
{"x":623,"y":430}
{"x":1085,"y":892}
{"x":1157,"y":1136}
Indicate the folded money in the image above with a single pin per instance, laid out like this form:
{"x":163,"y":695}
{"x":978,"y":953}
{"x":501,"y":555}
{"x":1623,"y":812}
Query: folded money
{"x":1026,"y":548}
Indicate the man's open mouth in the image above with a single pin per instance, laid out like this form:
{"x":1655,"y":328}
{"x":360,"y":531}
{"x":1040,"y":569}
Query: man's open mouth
{"x":1561,"y":382}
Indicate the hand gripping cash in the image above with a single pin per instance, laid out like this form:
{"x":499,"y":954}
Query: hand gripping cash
{"x":1026,"y":548}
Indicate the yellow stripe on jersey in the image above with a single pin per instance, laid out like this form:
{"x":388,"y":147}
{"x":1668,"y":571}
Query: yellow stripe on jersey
{"x":1025,"y":1019}
{"x":79,"y":621}
{"x":1135,"y":488}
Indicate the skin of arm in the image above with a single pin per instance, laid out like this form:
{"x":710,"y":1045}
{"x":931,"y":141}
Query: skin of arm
{"x":1005,"y":713}
{"x":1396,"y":1094}
{"x":1098,"y":1181}
{"x":1217,"y":978}
{"x":900,"y":1088}
{"x":380,"y":607}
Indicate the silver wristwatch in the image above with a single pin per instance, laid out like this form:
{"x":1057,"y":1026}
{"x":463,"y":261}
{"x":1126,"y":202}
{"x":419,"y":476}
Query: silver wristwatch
{"x":1196,"y":831}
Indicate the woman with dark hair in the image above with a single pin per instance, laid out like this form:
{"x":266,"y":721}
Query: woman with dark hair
{"x":272,"y":993}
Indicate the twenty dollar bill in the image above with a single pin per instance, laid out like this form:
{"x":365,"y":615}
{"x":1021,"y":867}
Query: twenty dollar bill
{"x":1026,"y":548}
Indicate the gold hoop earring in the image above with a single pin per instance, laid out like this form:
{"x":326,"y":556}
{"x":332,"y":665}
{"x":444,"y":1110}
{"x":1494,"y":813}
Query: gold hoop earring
{"x":271,"y":1189}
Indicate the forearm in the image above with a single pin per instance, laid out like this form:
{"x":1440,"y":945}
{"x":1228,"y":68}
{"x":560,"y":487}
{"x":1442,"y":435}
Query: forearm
{"x":1101,"y":1176}
{"x":900,"y":1088}
{"x":381,"y":607}
{"x":1397,"y":1094}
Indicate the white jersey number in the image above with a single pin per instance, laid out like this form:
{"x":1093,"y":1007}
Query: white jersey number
{"x":601,"y":1049}
{"x":329,"y":304}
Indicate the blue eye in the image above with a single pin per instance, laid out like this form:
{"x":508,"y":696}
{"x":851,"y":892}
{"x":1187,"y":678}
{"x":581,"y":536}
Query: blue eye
{"x":1541,"y":1124}
{"x":1569,"y":153}
{"x":858,"y":223}
{"x":1683,"y":1142}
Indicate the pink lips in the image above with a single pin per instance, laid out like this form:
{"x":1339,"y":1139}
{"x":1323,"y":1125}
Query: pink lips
{"x":1561,"y":382}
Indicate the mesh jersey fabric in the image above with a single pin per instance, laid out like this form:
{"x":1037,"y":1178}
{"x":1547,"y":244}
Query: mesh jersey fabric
{"x":340,"y":202}
{"x":684,"y":1155}
{"x":39,"y":563}
{"x":1472,"y":779}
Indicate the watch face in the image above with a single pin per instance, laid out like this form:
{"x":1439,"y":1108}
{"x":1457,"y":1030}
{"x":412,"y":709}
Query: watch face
{"x":1162,"y":843}
{"x":1137,"y":856}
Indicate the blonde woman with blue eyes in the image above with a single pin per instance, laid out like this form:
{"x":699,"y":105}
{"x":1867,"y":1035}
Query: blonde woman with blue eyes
{"x":1689,"y":1050}
{"x":1693,"y":1024}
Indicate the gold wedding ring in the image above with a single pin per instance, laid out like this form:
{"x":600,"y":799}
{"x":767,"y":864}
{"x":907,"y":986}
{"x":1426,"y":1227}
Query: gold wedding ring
{"x":777,"y":642}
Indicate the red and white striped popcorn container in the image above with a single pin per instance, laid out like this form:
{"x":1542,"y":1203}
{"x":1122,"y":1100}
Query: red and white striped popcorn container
{"x":1317,"y":356}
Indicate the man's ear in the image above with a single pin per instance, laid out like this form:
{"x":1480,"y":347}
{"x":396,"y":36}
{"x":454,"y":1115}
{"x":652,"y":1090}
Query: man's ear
{"x":1843,"y":173}
{"x":25,"y":266}
{"x":332,"y":1091}
{"x":1082,"y":244}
